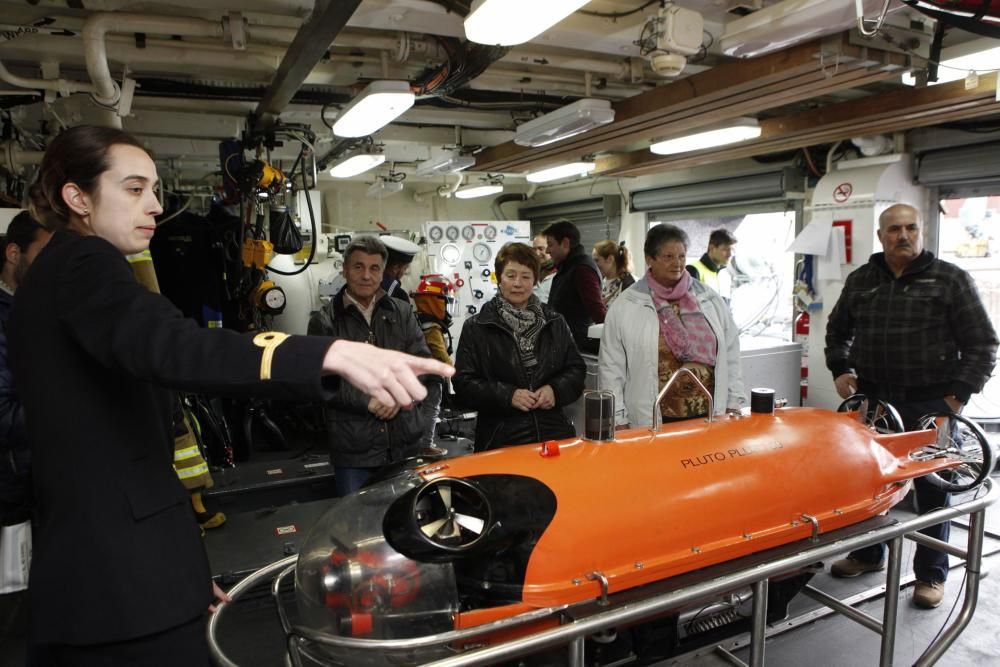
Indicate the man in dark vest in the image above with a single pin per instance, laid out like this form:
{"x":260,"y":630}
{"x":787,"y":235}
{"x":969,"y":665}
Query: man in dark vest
{"x":576,"y":288}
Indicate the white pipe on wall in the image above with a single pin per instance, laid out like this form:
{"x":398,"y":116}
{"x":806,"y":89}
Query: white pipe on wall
{"x":63,"y":86}
{"x":97,"y":26}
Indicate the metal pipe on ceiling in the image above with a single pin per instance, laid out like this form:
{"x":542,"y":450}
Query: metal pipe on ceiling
{"x":62,"y":86}
{"x":306,"y":50}
{"x":619,"y":68}
{"x":98,"y":25}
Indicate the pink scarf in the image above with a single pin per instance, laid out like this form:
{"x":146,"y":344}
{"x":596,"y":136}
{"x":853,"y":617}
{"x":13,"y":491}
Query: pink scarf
{"x":689,"y":336}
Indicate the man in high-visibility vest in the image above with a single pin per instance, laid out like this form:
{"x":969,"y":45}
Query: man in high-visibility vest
{"x":709,"y":269}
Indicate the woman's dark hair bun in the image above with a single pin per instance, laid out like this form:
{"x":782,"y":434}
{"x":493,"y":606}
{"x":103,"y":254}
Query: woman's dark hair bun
{"x":41,"y":208}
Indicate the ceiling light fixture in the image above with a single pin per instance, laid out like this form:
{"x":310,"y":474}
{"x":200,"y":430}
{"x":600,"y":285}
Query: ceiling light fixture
{"x":490,"y":185}
{"x":569,"y":121}
{"x":961,"y":67}
{"x":734,"y":131}
{"x":782,"y":24}
{"x":509,"y":22}
{"x":383,"y":187}
{"x":355,"y":164}
{"x":376,"y":106}
{"x":560,"y":171}
{"x":448,"y":163}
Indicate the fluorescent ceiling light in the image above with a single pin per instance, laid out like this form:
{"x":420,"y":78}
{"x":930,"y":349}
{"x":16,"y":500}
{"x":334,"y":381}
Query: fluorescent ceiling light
{"x":481,"y":190}
{"x":955,"y":69}
{"x":509,"y":22}
{"x":356,"y":164}
{"x":782,"y":24}
{"x":572,"y":119}
{"x":383,"y":188}
{"x":735,"y":132}
{"x":449,"y":163}
{"x":561,"y":171}
{"x":374,"y":108}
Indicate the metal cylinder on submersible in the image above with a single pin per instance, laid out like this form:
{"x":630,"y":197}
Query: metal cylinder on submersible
{"x":762,"y":400}
{"x":599,"y":415}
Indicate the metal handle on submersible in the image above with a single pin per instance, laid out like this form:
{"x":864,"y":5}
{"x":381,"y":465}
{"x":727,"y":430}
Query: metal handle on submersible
{"x":659,"y":397}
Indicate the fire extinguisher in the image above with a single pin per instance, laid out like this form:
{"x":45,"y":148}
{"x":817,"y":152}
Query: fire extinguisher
{"x":802,"y":336}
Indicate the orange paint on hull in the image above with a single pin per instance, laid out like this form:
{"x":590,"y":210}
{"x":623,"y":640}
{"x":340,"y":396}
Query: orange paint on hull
{"x":650,"y":506}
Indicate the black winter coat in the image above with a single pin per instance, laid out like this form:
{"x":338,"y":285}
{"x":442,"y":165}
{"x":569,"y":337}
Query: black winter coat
{"x":357,"y":438}
{"x":14,"y":452}
{"x":567,"y":300}
{"x":488,"y":370}
{"x":116,"y":549}
{"x":927,"y":330}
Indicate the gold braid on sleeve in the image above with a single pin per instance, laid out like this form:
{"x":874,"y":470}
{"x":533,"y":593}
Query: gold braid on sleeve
{"x":269,"y":340}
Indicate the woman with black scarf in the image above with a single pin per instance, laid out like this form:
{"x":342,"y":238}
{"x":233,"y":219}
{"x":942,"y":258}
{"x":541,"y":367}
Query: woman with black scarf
{"x":517,"y":364}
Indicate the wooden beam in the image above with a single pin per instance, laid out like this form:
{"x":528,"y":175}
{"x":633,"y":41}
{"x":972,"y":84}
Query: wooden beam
{"x":889,"y":112}
{"x":726,"y":91}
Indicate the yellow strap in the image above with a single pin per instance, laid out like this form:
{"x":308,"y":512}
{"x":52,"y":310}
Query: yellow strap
{"x":186,"y":453}
{"x":144,"y":256}
{"x":193,"y":471}
{"x":269,"y":340}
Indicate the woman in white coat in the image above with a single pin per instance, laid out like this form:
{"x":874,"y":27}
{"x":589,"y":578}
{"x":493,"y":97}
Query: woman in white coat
{"x":664,"y":322}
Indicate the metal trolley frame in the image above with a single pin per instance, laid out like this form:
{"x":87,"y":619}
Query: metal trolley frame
{"x":579,"y":621}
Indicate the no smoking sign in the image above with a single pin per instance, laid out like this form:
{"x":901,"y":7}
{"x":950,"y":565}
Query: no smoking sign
{"x":842,"y":192}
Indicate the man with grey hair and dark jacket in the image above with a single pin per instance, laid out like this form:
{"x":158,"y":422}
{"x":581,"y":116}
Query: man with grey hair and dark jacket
{"x":911,"y":330}
{"x":365,"y":434}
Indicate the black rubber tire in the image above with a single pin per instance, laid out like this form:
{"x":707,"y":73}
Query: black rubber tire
{"x":881,"y":417}
{"x":964,"y":439}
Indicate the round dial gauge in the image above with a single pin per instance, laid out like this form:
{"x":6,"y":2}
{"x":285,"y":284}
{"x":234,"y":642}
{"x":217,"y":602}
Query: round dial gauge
{"x":490,"y":233}
{"x":435,"y":233}
{"x":468,"y":232}
{"x":481,"y":252}
{"x":450,"y":253}
{"x":451,"y":232}
{"x":274,"y":299}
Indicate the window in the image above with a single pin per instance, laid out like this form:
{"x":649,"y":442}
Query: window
{"x":761,"y":271}
{"x":969,"y":236}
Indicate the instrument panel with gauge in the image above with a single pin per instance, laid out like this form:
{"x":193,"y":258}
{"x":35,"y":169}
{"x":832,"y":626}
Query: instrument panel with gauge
{"x":464,"y":252}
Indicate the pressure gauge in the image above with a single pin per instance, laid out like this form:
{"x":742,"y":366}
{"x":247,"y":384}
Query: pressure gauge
{"x":490,"y":233}
{"x":269,"y":297}
{"x":451,"y":233}
{"x":435,"y":233}
{"x":450,"y":253}
{"x":274,"y":299}
{"x":468,"y":232}
{"x":481,"y":252}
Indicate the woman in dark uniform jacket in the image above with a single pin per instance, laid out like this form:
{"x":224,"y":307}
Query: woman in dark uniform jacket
{"x":119,"y":574}
{"x":517,"y":364}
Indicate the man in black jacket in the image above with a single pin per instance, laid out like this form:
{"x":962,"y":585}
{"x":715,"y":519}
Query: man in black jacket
{"x":576,"y":287}
{"x":911,"y":330}
{"x":365,"y":434}
{"x":25,"y":238}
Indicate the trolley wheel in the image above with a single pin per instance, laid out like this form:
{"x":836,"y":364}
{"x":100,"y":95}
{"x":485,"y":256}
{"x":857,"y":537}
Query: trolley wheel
{"x":880,"y":417}
{"x":961,"y":439}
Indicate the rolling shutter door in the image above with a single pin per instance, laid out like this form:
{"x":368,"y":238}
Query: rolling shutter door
{"x":962,"y":171}
{"x":597,"y":218}
{"x":737,"y":196}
